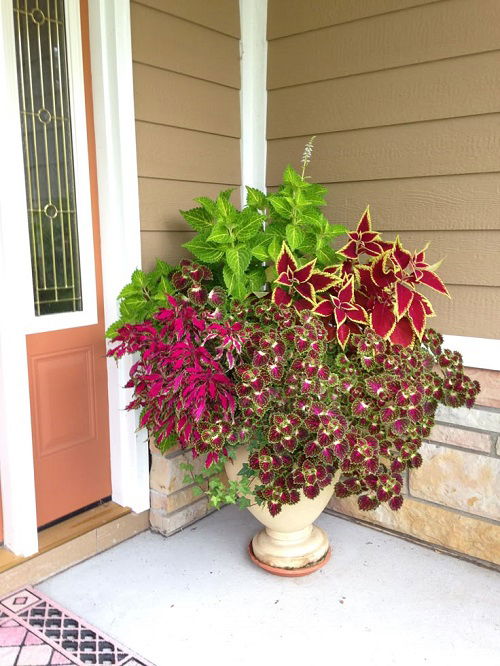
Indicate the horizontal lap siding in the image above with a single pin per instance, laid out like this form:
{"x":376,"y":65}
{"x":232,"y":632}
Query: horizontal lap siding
{"x":186,"y":87}
{"x":404,"y":97}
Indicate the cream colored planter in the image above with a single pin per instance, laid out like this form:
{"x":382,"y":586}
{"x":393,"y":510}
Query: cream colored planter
{"x":289,"y":540}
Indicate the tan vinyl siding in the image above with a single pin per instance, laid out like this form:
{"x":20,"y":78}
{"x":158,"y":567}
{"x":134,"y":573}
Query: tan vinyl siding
{"x":288,"y":17}
{"x":219,"y":15}
{"x":186,"y":88}
{"x":404,"y":97}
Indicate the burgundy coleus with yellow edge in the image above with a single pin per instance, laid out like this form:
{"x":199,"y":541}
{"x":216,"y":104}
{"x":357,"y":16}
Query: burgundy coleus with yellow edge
{"x":340,"y":303}
{"x":299,"y":285}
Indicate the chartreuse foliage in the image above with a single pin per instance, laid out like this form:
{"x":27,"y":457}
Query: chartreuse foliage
{"x":241,"y":241}
{"x":226,"y":237}
{"x":145,"y":294}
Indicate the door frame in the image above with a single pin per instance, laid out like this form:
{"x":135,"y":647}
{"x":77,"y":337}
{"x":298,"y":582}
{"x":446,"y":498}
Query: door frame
{"x":113,"y":101}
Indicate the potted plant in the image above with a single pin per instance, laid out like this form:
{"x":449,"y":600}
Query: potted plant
{"x":302,"y":370}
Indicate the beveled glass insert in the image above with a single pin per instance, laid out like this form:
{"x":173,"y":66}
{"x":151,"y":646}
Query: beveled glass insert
{"x":44,"y":105}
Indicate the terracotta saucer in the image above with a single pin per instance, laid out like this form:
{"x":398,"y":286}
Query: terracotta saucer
{"x":290,"y":573}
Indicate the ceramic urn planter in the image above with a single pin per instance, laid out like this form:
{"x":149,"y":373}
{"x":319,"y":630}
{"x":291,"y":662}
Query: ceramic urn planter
{"x":289,"y":544}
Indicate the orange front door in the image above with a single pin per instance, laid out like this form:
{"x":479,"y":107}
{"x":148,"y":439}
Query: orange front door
{"x":67,"y":368}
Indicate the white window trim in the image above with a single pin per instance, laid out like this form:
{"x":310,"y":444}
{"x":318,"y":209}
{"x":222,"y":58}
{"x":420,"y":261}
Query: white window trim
{"x":483,"y":353}
{"x":88,"y":315}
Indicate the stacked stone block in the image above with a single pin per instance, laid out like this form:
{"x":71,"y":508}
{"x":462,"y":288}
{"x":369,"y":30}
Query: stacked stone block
{"x":173,"y":503}
{"x":453,"y":500}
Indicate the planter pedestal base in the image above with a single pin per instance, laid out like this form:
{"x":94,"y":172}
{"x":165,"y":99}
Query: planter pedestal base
{"x":296,"y":553}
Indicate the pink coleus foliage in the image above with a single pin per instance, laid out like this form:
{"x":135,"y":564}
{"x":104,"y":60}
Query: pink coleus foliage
{"x":185,"y":352}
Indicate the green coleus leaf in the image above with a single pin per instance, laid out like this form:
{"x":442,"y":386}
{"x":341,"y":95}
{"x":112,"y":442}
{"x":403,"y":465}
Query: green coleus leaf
{"x":208,"y":205}
{"x":198,"y":218}
{"x":313,"y":218}
{"x":280,"y":205}
{"x":203,"y":249}
{"x":294,"y":236}
{"x":139,"y":278}
{"x":276,"y":228}
{"x":238,"y":259}
{"x":259,"y":247}
{"x":248,"y":224}
{"x":257,"y":279}
{"x":274,"y":248}
{"x":333,"y":230}
{"x":327,"y":256}
{"x":220,"y":234}
{"x":291,"y":177}
{"x":224,"y":207}
{"x":235,"y":284}
{"x":130,"y":290}
{"x":226,"y":194}
{"x":256,"y":198}
{"x":314,"y":194}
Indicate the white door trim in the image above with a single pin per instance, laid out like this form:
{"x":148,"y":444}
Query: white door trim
{"x":16,"y":449}
{"x":112,"y":84}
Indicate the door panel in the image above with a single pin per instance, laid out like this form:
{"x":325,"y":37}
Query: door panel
{"x":67,"y":368}
{"x":69,"y":418}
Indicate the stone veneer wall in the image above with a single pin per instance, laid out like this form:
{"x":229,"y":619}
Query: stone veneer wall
{"x":173,"y":503}
{"x":453,"y":500}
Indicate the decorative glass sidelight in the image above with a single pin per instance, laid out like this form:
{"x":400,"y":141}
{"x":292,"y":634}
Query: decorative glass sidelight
{"x":44,"y":106}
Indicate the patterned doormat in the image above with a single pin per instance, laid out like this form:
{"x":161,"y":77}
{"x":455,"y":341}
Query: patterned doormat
{"x":35,"y":631}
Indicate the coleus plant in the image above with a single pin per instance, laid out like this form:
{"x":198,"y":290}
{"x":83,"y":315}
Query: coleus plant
{"x":329,"y":377}
{"x":238,"y":243}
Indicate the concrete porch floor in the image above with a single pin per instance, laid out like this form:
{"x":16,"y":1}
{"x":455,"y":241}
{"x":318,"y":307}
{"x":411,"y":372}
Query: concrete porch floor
{"x":195,"y":598}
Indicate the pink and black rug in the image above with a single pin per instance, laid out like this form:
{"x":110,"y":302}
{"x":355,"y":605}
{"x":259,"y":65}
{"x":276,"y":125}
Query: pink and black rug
{"x":35,"y":631}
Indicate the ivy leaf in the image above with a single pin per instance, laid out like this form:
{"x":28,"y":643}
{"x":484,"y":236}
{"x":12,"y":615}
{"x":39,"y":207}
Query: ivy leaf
{"x":203,"y":249}
{"x":197,"y":491}
{"x":198,"y":218}
{"x":238,"y":259}
{"x":244,"y":502}
{"x":291,"y":177}
{"x":280,"y":205}
{"x":294,"y":236}
{"x":248,"y":224}
{"x":220,"y":234}
{"x":256,"y":198}
{"x":256,"y":279}
{"x":235,"y":284}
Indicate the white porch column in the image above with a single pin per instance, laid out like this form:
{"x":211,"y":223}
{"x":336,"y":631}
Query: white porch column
{"x":253,"y":94}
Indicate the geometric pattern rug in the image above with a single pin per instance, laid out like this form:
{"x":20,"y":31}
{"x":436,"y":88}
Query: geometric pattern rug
{"x":36,"y":631}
